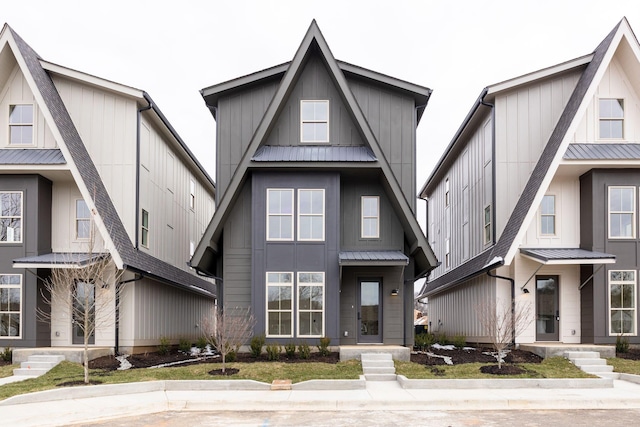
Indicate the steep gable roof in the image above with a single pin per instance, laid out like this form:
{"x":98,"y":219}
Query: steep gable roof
{"x":313,"y":39}
{"x":505,"y":248}
{"x":86,"y":174}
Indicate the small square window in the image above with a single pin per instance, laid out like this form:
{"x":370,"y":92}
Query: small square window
{"x":21,"y":124}
{"x":314,"y":121}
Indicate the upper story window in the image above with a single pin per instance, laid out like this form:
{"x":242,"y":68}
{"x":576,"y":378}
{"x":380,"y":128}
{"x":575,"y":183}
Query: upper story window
{"x":611,"y":117}
{"x":548,"y":215}
{"x":447,"y":254}
{"x":487,"y":224}
{"x":622,"y":302}
{"x":83,"y":220}
{"x":21,"y":124}
{"x":280,"y":214}
{"x":622,"y":212}
{"x":446,"y":193}
{"x":192,"y":194}
{"x":314,"y":121}
{"x":10,"y":216}
{"x":370,"y":222}
{"x":10,"y":305}
{"x":311,"y":214}
{"x":145,"y":228}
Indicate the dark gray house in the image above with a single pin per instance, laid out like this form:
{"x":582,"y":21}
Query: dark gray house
{"x":535,"y":201}
{"x":315,"y":227}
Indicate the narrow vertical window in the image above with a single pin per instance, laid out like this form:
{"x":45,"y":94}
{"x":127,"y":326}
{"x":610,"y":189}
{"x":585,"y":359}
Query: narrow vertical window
{"x":280,"y":214}
{"x":447,"y":254}
{"x":10,"y":305}
{"x":21,"y":124}
{"x":314,"y":121}
{"x":10,"y":217}
{"x":279,"y":304}
{"x":311,"y":304}
{"x":622,"y":302}
{"x":622,"y":212}
{"x":446,"y":192}
{"x":487,"y":224}
{"x":192,"y":194}
{"x":83,"y":220}
{"x":311,"y":215}
{"x":548,"y":215}
{"x":145,"y":228}
{"x":370,"y":209}
{"x":611,"y":114}
{"x":192,"y":247}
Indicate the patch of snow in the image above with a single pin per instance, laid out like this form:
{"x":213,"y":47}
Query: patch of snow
{"x":499,"y":355}
{"x":182,"y":362}
{"x":447,"y":359}
{"x":469,"y":348}
{"x":443,"y":347}
{"x":124,"y":363}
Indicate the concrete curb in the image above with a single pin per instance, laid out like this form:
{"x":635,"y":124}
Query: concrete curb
{"x":547,"y":383}
{"x":632,"y":378}
{"x":360,"y":384}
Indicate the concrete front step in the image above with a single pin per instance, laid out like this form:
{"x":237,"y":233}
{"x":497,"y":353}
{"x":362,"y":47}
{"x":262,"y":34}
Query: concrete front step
{"x":378,"y":370}
{"x":612,"y":375}
{"x":582,"y":355}
{"x":587,"y":362}
{"x":378,"y":367}
{"x":378,"y":363}
{"x":590,"y":362}
{"x":56,"y":358}
{"x":592,"y":369}
{"x":30,"y":372}
{"x":375,"y":356}
{"x":380,"y":377}
{"x":38,"y":364}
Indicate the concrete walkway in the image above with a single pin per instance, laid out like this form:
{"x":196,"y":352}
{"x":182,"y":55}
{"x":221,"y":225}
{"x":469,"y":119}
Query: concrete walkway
{"x":94,"y":403}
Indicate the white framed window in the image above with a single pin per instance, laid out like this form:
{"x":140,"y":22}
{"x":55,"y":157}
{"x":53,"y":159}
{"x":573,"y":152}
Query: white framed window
{"x":83,"y":220}
{"x":311,"y":214}
{"x":311,"y":304}
{"x":622,"y":302}
{"x":10,"y":305}
{"x":622,"y":212}
{"x":10,"y":216}
{"x":314,"y":121}
{"x":192,"y":248}
{"x":21,"y":124}
{"x":280,"y":214}
{"x":279,"y":304}
{"x":447,"y":254}
{"x":611,"y":118}
{"x":548,"y":215}
{"x":446,"y":193}
{"x":192,"y":194}
{"x":370,"y":217}
{"x":145,"y":228}
{"x":487,"y":224}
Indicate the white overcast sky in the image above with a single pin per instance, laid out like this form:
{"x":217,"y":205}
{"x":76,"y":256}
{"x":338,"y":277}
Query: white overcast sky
{"x":172,"y":49}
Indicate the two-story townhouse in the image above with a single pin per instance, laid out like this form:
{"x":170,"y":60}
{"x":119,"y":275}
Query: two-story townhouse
{"x":86,"y":161}
{"x":535,"y":202}
{"x":315,"y":228}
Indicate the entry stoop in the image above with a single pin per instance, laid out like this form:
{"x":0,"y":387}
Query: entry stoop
{"x":37,"y":365}
{"x":378,"y":367}
{"x":591,"y":363}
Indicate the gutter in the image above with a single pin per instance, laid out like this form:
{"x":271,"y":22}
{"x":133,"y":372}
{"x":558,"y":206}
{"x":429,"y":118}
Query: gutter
{"x":137,"y":214}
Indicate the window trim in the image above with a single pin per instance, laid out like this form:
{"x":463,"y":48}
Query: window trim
{"x":192,"y":194}
{"x":602,"y":119}
{"x":303,"y":121}
{"x":88,"y":219}
{"x":144,"y":230}
{"x":20,"y":313}
{"x":292,"y":310}
{"x":633,"y":212}
{"x":299,"y":215}
{"x":298,"y":310}
{"x":292,"y":215}
{"x":363,"y":217}
{"x":21,"y":124}
{"x":554,"y":215}
{"x":487,"y":238}
{"x":21,"y":217}
{"x":635,"y":302}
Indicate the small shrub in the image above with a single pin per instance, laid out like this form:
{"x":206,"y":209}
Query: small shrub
{"x":622,"y":344}
{"x":323,"y":347}
{"x":304,"y":350}
{"x":164,"y":346}
{"x":201,"y":343}
{"x":231,"y":356}
{"x":290,"y":349}
{"x":257,"y":342}
{"x":442,"y":339}
{"x":7,"y":354}
{"x":424,"y":340}
{"x":273,"y":351}
{"x":459,"y":340}
{"x":184,"y":345}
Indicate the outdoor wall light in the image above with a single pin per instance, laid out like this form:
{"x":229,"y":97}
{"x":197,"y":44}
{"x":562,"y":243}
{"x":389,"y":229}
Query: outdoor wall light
{"x":395,"y":292}
{"x":524,"y":290}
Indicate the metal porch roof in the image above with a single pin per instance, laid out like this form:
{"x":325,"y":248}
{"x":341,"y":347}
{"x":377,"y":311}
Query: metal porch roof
{"x":567,"y":256}
{"x":313,"y":153}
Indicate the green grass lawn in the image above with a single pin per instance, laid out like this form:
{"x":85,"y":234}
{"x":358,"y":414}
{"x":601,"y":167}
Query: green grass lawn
{"x":624,"y":365}
{"x":7,"y":370}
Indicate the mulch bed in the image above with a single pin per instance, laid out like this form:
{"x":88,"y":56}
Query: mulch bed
{"x":459,"y":356}
{"x":631,"y":354}
{"x":4,"y":362}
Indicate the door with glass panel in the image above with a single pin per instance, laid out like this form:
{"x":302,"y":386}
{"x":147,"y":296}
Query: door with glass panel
{"x":369,"y":311}
{"x":547,"y":309}
{"x":84,"y":297}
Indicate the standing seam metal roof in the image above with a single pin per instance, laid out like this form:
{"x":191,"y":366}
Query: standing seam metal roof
{"x":627,"y":151}
{"x":314,"y":153}
{"x":31,"y":156}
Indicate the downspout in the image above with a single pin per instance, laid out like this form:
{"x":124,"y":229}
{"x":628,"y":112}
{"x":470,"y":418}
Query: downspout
{"x":513,"y":301}
{"x":214,"y":113}
{"x":493,"y":164}
{"x":135,"y":279}
{"x":137,"y":215}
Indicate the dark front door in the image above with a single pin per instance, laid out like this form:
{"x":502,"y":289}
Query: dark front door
{"x":369,"y":311}
{"x":547,"y":309}
{"x":83,"y":313}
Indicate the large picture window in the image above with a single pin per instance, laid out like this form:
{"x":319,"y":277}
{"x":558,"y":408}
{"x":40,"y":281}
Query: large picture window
{"x":21,"y":125}
{"x":370,"y":217}
{"x":10,"y":216}
{"x":311,"y":215}
{"x":622,"y":302}
{"x":279,"y":304}
{"x":611,"y":113}
{"x":314,"y":121}
{"x":10,"y":305}
{"x":622,"y":212}
{"x":279,"y":214}
{"x":311,"y":304}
